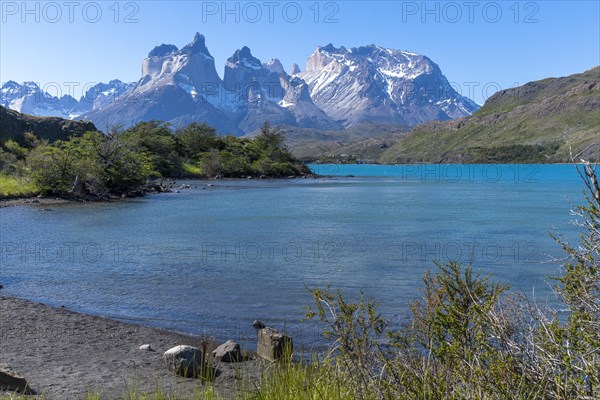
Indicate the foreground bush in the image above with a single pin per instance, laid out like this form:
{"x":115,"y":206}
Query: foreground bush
{"x":471,"y":338}
{"x":92,"y":164}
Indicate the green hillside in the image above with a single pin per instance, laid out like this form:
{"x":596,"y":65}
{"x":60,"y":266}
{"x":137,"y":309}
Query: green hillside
{"x":13,"y":125}
{"x":538,"y":122}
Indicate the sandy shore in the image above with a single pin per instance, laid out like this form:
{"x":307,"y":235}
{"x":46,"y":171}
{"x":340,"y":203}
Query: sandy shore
{"x":64,"y":354}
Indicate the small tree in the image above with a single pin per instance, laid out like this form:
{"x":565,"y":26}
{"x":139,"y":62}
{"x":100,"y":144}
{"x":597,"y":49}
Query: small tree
{"x":124,"y":169}
{"x":212,"y":163}
{"x":195,"y":139}
{"x":271,"y":143}
{"x":157,"y":142}
{"x":64,"y":165}
{"x":356,"y":330}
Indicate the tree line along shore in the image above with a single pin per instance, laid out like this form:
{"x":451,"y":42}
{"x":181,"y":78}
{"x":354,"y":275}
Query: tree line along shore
{"x":145,"y":157}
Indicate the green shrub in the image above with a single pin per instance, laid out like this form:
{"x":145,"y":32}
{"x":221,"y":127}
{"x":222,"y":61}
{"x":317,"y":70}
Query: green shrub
{"x":16,"y":186}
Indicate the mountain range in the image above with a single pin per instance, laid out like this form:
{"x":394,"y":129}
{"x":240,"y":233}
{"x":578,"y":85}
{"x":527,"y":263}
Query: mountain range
{"x":540,"y":122}
{"x":29,"y":98}
{"x":339,"y":88}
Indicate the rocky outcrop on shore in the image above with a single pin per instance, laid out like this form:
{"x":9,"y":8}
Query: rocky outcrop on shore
{"x":228,"y":352}
{"x":184,"y":360}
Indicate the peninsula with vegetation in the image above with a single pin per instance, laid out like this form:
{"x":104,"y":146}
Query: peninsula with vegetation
{"x":57,"y":157}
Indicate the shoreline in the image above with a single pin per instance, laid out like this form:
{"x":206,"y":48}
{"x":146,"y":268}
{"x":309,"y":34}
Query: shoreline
{"x":37,"y":200}
{"x":53,"y":200}
{"x":66,"y":355}
{"x":45,"y":201}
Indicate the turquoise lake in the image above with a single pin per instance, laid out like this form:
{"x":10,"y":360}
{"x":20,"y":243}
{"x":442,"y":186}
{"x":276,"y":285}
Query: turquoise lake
{"x":211,"y":259}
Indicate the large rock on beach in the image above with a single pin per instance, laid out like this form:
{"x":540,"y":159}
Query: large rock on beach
{"x":273,"y":345}
{"x":184,"y":360}
{"x":10,"y":380}
{"x":228,"y":352}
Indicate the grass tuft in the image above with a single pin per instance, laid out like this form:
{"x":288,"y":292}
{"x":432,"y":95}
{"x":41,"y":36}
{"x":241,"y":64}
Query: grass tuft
{"x":16,"y":186}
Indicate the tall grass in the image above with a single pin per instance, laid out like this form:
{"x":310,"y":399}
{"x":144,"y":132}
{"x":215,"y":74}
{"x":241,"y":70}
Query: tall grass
{"x":286,"y":380}
{"x":304,"y":381}
{"x":191,"y":169}
{"x":16,"y":186}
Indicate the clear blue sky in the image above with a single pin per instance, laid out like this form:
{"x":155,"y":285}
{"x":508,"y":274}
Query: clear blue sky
{"x":477,"y":44}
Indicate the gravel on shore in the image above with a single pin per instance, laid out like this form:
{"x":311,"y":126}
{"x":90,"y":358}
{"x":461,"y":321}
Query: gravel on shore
{"x":27,"y":201}
{"x":66,"y":355}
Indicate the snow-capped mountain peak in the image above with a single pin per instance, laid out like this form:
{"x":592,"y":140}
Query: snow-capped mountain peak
{"x":373,"y":83}
{"x":244,"y":59}
{"x":340,"y":87}
{"x":29,"y":98}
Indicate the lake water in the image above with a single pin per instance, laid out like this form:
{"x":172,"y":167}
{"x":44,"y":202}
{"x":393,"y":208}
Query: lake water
{"x":211,"y":259}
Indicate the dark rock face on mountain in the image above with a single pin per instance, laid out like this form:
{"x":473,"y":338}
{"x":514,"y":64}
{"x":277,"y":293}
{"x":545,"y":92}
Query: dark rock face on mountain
{"x":298,"y":101}
{"x":256,"y":91}
{"x":339,"y":88}
{"x":13,"y":125}
{"x":242,"y":68}
{"x":163,"y":50}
